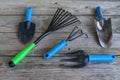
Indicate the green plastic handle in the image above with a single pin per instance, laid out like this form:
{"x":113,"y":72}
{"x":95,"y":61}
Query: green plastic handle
{"x":21,"y":55}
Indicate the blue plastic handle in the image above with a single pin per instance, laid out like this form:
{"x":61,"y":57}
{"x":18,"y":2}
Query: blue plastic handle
{"x":101,"y":57}
{"x":28,"y":16}
{"x":55,"y":49}
{"x":99,"y":13}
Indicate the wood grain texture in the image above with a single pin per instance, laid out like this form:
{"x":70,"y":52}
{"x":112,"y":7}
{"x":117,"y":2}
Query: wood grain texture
{"x":34,"y":67}
{"x":78,"y":7}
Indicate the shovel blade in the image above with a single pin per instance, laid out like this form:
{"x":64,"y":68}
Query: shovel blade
{"x":26,"y":31}
{"x":104,"y":34}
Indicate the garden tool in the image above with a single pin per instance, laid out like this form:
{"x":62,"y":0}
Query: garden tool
{"x":103,"y":29}
{"x":26,"y":29}
{"x":61,"y":19}
{"x":73,"y":35}
{"x":80,"y":59}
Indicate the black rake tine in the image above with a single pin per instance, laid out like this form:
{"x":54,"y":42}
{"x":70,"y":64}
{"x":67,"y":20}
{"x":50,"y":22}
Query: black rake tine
{"x":65,"y":18}
{"x":57,"y":11}
{"x":58,"y":22}
{"x":84,"y":33}
{"x":71,"y":34}
{"x":72,"y":38}
{"x":61,"y":21}
{"x":60,"y":17}
{"x":70,"y":18}
{"x":74,"y":33}
{"x":79,"y":36}
{"x":74,"y":18}
{"x":67,"y":24}
{"x":78,"y":31}
{"x":70,"y":21}
{"x":54,"y":17}
{"x":57,"y":14}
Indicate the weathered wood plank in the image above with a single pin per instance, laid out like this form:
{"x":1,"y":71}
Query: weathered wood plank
{"x":10,"y":42}
{"x":35,"y":68}
{"x":43,"y":7}
{"x":39,"y":52}
{"x":10,"y":23}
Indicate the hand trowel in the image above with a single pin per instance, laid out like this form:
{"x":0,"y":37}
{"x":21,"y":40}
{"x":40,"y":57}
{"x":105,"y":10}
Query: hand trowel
{"x":26,"y":29}
{"x":103,"y":29}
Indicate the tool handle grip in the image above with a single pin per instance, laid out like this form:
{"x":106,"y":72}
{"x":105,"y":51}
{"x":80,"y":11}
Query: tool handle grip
{"x":99,"y":13}
{"x":21,"y":55}
{"x":101,"y":57}
{"x":55,"y":49}
{"x":28,"y":16}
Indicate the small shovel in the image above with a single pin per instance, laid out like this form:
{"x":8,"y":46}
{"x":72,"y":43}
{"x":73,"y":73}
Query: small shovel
{"x":26,"y":29}
{"x":103,"y":29}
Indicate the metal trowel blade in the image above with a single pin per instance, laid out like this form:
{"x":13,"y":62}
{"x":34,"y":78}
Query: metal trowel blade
{"x":104,"y":32}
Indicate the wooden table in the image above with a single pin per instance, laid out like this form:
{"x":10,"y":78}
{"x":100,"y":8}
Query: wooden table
{"x":34,"y":67}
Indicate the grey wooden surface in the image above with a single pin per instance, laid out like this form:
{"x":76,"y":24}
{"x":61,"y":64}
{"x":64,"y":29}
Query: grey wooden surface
{"x":34,"y":67}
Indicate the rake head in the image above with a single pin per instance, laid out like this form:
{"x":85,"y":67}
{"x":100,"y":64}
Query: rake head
{"x":75,"y":33}
{"x":79,"y":60}
{"x":61,"y":19}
